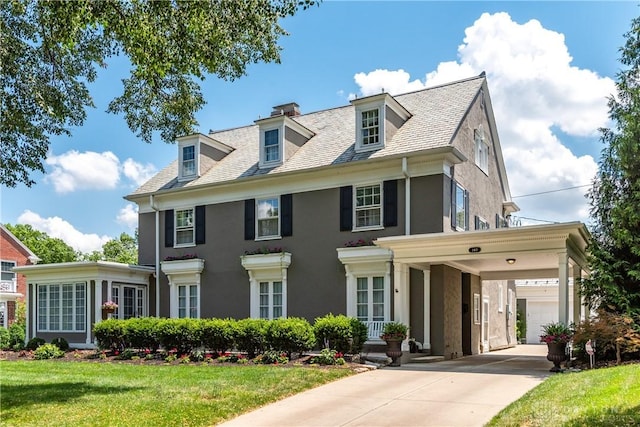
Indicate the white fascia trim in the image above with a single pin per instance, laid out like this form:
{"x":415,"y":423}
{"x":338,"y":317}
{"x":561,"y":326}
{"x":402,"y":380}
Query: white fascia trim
{"x":199,"y":137}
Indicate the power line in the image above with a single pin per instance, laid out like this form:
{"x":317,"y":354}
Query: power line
{"x":552,"y":191}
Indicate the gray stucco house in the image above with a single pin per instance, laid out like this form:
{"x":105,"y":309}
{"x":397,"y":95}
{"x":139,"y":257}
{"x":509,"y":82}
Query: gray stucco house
{"x":277,"y":218}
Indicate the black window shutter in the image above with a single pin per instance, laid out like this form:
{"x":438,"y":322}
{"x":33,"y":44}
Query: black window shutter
{"x":466,"y":210}
{"x":498,"y":224}
{"x":346,"y":208}
{"x":390,"y":193}
{"x":200,"y":225}
{"x":168,"y":228}
{"x":454,"y":208}
{"x":286,"y":212}
{"x":477,"y":222}
{"x":249,"y":219}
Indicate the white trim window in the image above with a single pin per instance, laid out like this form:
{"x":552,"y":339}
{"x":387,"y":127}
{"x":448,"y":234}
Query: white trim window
{"x":370,"y":119}
{"x":367,"y":201}
{"x":267,"y":284}
{"x":188,"y":161}
{"x":62,"y":307}
{"x":460,"y":208}
{"x":268,"y":218}
{"x":481,"y":149}
{"x":370,"y":127}
{"x":7,"y":274}
{"x":481,"y":223}
{"x":271,"y":299}
{"x":185,"y":227}
{"x":188,"y":301}
{"x":370,"y":298}
{"x":500,"y":299}
{"x":131,"y":304}
{"x":271,"y":146}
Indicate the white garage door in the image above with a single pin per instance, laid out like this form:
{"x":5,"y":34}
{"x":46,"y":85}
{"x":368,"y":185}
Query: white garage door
{"x":538,"y":314}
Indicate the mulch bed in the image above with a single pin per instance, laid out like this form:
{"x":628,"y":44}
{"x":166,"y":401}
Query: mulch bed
{"x":160,"y":358}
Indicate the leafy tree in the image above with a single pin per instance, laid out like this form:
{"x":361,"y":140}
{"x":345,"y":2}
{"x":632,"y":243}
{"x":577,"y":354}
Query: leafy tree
{"x":614,"y":284}
{"x":50,"y":250}
{"x":49,"y":51}
{"x":124,"y":249}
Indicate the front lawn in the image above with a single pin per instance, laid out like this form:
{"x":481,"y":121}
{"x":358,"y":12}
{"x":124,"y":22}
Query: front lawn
{"x":599,"y":397}
{"x":64,"y":393}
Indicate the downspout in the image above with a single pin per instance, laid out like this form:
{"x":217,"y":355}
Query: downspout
{"x":157,"y":264}
{"x":407,"y":197}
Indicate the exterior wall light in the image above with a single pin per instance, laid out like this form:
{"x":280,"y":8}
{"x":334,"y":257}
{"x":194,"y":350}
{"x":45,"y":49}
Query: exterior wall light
{"x":511,"y":260}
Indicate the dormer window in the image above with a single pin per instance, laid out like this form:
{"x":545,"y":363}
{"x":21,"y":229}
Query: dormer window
{"x":188,"y":167}
{"x":370,"y":130}
{"x":271,"y":146}
{"x":378,"y":117}
{"x":189,"y":160}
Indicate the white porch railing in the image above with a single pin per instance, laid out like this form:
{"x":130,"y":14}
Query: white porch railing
{"x":375,"y":329}
{"x":8,"y":286}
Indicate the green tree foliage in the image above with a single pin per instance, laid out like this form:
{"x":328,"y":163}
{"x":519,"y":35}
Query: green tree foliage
{"x":50,"y":250}
{"x":50,"y":51}
{"x":124,"y":249}
{"x":614,"y":284}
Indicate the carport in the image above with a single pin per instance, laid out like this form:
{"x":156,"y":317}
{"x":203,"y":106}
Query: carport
{"x":529,"y":252}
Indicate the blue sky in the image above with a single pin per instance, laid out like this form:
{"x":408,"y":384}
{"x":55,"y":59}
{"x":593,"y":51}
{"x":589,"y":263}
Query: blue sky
{"x":550,"y":67}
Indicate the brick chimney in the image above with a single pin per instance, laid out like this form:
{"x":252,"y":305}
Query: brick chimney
{"x":290,"y":110}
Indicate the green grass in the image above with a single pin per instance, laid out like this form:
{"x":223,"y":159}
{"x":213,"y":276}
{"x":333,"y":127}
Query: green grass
{"x":90,"y":394}
{"x":599,"y":397}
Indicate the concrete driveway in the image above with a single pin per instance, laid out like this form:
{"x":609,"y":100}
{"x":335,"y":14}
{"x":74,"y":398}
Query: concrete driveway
{"x":467,"y":391}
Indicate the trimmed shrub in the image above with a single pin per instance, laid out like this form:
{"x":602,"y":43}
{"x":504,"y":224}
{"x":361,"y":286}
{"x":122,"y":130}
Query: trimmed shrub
{"x":250,"y":336}
{"x":180,"y":334}
{"x":217,"y":334}
{"x":17,"y":335}
{"x":61,"y":343}
{"x":141,"y":333}
{"x":292,"y":335}
{"x":360,"y":334}
{"x":47,"y":351}
{"x":341,"y":333}
{"x":34,"y":343}
{"x":4,"y":338}
{"x":333,"y":332}
{"x":110,"y":334}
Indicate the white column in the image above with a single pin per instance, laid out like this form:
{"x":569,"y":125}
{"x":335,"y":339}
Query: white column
{"x":351,"y":292}
{"x":89,"y":311}
{"x":563,"y":289}
{"x":33,"y":310}
{"x":401,"y":296}
{"x":426,"y":344}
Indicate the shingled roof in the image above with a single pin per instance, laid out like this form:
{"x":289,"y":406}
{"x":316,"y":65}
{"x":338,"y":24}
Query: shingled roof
{"x":436,"y":114}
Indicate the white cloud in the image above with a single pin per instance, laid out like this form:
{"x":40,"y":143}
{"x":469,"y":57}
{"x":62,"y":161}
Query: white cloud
{"x":59,"y":228}
{"x":73,"y":171}
{"x":128,"y":216}
{"x":534,"y":91}
{"x":137,"y":172}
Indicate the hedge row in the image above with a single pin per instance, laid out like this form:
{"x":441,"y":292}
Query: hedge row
{"x":250,"y":336}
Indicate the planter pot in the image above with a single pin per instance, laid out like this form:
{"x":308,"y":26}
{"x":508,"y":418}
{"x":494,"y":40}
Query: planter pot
{"x":106,"y":312}
{"x":394,"y":351}
{"x":556,"y":354}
